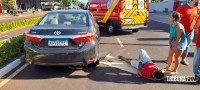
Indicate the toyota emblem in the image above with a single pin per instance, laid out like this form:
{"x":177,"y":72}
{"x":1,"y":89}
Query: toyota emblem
{"x":57,"y":32}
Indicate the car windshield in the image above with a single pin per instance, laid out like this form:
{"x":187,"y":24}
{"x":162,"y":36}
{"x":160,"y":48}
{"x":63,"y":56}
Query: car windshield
{"x":63,"y":19}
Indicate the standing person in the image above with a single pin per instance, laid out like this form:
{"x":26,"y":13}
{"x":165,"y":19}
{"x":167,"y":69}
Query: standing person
{"x":33,"y":9}
{"x":196,"y":62}
{"x":177,"y":41}
{"x":189,"y":12}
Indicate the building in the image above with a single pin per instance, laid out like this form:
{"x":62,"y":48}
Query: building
{"x":27,"y":5}
{"x":38,"y":4}
{"x":166,"y":5}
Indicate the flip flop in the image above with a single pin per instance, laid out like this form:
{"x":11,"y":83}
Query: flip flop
{"x":184,"y":63}
{"x":174,"y":73}
{"x":164,"y":69}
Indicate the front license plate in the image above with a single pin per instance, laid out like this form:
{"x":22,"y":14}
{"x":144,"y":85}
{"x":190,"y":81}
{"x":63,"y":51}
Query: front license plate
{"x":57,"y":43}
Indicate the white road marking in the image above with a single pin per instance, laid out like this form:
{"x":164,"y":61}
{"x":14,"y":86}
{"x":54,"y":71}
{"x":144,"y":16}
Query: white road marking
{"x":4,"y":36}
{"x":109,"y":56}
{"x":120,"y":42}
{"x":13,"y":75}
{"x":111,"y":61}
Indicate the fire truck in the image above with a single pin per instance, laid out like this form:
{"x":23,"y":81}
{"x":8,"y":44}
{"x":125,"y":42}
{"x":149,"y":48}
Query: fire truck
{"x":119,"y":15}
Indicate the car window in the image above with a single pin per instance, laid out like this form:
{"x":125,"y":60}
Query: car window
{"x":63,"y":19}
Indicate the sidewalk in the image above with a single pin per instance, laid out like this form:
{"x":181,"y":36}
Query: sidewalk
{"x":25,"y":15}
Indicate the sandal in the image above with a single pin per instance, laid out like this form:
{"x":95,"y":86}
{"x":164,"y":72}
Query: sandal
{"x":184,"y":63}
{"x":174,"y":73}
{"x":164,"y":69}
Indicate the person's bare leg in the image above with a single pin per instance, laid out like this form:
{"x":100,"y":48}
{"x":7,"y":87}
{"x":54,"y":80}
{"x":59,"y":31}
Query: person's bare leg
{"x":124,"y":59}
{"x":170,"y":57}
{"x":177,"y":61}
{"x":184,"y":56}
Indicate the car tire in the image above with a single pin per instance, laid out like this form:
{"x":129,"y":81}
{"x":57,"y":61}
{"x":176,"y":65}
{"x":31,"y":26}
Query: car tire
{"x":135,"y":30}
{"x":111,"y":28}
{"x":94,"y":64}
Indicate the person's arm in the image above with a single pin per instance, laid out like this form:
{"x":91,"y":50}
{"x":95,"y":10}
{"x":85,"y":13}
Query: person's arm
{"x":179,"y":34}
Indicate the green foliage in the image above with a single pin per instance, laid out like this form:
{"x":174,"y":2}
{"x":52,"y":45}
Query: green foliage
{"x":156,"y":1}
{"x":59,"y":4}
{"x":16,"y":24}
{"x":11,"y":48}
{"x":67,"y":3}
{"x":9,"y":4}
{"x":64,"y":3}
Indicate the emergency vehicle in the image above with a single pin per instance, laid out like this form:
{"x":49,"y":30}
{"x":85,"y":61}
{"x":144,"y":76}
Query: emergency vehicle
{"x":118,"y":15}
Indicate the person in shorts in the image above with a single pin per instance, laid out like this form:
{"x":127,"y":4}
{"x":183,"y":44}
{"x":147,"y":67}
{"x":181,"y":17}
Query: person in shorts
{"x":177,"y":42}
{"x":146,"y":67}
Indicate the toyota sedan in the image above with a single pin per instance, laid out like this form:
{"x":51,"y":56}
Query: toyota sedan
{"x":64,"y":37}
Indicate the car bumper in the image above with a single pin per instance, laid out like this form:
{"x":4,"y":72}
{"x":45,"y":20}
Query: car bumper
{"x":61,"y":56}
{"x":121,"y":26}
{"x":130,"y":27}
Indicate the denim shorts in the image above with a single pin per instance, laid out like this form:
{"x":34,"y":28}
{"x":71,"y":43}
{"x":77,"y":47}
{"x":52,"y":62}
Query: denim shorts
{"x":181,"y":46}
{"x":144,"y":59}
{"x":190,"y":37}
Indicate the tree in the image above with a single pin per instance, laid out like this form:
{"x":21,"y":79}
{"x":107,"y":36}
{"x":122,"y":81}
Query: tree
{"x":67,"y":3}
{"x":82,"y":5}
{"x":12,"y":6}
{"x":156,"y":1}
{"x":64,"y":3}
{"x":9,"y":4}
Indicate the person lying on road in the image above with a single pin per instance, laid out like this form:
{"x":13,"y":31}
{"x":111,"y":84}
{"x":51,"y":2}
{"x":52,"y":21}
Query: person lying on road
{"x":146,"y":67}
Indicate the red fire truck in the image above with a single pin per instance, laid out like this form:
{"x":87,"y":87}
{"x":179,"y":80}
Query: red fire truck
{"x":118,"y":15}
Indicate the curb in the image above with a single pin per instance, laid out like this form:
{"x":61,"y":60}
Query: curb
{"x":11,"y":66}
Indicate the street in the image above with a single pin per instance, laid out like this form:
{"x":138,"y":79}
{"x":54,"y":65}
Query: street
{"x":153,"y":39}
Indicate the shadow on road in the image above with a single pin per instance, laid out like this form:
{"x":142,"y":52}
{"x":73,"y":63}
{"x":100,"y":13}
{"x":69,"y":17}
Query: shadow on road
{"x":104,"y":33}
{"x":191,"y":54}
{"x":158,"y":61}
{"x":136,"y":44}
{"x":154,"y":26}
{"x":98,"y":74}
{"x":152,"y":39}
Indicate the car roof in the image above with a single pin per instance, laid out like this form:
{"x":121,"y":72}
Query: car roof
{"x":69,"y":11}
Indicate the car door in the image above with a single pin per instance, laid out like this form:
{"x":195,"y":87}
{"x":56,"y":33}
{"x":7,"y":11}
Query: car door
{"x":134,"y":12}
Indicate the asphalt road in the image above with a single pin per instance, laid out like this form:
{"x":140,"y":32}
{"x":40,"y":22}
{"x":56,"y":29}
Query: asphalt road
{"x":153,"y":39}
